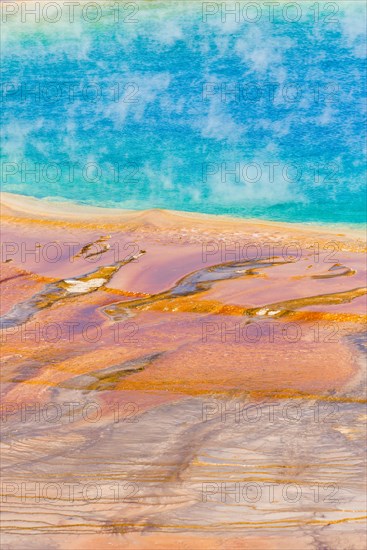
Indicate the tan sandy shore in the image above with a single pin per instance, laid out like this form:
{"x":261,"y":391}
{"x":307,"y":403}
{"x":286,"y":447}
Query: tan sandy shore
{"x":40,"y":209}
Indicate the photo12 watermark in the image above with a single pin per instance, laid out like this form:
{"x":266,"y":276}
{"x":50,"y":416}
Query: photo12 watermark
{"x":71,"y":173}
{"x":52,"y":252}
{"x":47,"y":92}
{"x":269,"y":172}
{"x":69,"y":332}
{"x":269,"y":332}
{"x":258,"y":92}
{"x":71,"y":12}
{"x":66,"y":493}
{"x":267,"y":252}
{"x":269,"y":492}
{"x":271,"y":12}
{"x":239,"y":413}
{"x":67,"y":412}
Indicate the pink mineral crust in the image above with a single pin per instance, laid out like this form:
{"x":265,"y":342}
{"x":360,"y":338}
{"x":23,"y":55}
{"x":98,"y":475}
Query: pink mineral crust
{"x":159,"y":400}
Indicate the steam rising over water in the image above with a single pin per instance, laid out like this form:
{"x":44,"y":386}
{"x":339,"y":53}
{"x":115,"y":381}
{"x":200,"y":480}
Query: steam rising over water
{"x":179,"y":110}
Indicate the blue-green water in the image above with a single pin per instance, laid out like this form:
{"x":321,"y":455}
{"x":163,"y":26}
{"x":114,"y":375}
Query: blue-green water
{"x":166,"y":104}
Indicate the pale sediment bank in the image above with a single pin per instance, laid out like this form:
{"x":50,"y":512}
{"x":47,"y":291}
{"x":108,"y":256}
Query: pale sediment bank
{"x":33,"y":209}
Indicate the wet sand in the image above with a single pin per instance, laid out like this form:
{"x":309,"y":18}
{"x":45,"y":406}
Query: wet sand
{"x":173,"y":380}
